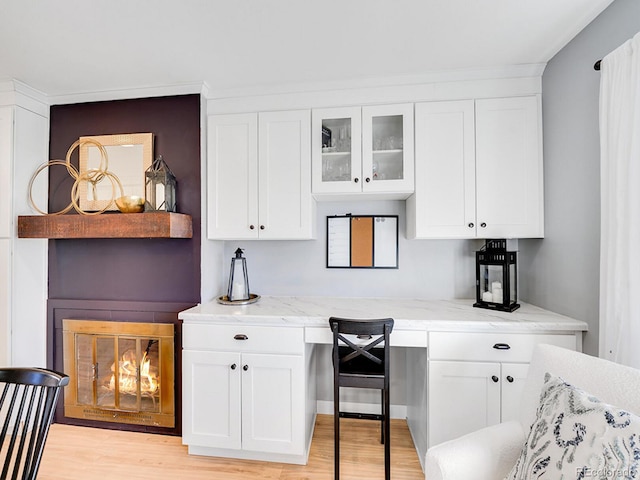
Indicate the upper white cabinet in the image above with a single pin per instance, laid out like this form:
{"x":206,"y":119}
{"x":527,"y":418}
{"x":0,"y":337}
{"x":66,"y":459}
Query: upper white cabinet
{"x":478,"y":170}
{"x":363,"y":150}
{"x":259,"y":176}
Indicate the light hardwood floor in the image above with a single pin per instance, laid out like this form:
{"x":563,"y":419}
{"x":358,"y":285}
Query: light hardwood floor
{"x":81,"y":453}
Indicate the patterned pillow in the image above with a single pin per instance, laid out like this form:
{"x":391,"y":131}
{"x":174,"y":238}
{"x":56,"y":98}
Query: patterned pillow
{"x":575,"y":436}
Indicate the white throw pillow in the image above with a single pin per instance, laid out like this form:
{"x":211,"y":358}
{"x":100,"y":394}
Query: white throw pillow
{"x":575,"y":436}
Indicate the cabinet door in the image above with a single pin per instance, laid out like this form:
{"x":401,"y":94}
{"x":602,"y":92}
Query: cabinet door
{"x":509,"y":192}
{"x":444,"y":203}
{"x":336,"y":156}
{"x":232,"y":187}
{"x":273,"y":403}
{"x":512,"y":380}
{"x":211,"y":399}
{"x":463,"y":397}
{"x":286,"y":208}
{"x":6,"y":152}
{"x":5,"y":301}
{"x":387,"y":149}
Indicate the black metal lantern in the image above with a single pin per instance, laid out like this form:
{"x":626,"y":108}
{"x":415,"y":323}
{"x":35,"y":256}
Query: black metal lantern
{"x":238,"y":289}
{"x":160,"y":186}
{"x":496,"y":277}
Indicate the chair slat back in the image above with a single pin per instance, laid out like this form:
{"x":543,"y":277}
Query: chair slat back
{"x":346,"y":350}
{"x":27,"y":404}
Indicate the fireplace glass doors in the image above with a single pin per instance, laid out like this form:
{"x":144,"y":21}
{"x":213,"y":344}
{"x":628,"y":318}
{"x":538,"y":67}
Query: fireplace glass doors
{"x":119,"y":372}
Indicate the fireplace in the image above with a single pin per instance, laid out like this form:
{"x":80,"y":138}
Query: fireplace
{"x":120,"y":372}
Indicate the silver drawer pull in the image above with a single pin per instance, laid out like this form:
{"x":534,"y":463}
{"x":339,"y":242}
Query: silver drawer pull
{"x":502,"y":346}
{"x":240,"y":336}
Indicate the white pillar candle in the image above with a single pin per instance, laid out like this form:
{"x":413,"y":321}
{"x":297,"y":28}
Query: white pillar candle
{"x":496,"y":285}
{"x":497,"y":295}
{"x":487,"y":297}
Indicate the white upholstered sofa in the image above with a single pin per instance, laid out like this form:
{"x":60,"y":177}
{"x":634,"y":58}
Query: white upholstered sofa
{"x":490,"y":453}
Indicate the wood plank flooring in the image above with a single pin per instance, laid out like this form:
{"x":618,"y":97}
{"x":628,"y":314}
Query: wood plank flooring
{"x":81,"y":453}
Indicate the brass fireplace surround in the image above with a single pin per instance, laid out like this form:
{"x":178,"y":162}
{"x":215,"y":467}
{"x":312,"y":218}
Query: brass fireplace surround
{"x":120,"y":372}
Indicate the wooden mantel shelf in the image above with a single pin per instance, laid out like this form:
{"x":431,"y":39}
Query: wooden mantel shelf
{"x":106,"y":225}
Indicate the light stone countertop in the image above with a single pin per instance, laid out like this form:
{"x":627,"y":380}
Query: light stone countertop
{"x":408,"y":314}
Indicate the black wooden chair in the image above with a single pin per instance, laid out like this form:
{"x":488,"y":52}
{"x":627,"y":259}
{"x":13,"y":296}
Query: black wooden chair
{"x":27,"y":404}
{"x":358,"y":363}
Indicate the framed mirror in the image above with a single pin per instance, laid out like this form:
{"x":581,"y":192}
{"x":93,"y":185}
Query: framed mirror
{"x":362,"y":241}
{"x":128,"y":155}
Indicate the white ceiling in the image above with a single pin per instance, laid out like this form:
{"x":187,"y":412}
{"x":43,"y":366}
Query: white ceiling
{"x":71,"y":47}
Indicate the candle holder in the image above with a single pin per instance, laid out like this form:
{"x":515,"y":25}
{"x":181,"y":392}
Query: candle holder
{"x":238,"y":288}
{"x":160,"y":187}
{"x":496,"y":277}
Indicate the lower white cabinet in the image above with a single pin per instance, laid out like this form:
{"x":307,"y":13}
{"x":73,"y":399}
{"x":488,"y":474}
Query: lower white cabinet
{"x":239,"y":401}
{"x":476,"y":379}
{"x":468,"y":396}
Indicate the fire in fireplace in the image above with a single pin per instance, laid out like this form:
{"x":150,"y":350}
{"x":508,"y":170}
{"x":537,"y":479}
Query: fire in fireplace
{"x":119,"y":372}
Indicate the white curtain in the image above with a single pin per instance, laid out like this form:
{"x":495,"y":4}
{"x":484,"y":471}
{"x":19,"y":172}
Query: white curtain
{"x":620,"y":204}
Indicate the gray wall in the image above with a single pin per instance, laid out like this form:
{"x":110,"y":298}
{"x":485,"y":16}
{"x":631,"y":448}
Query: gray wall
{"x":561,"y":272}
{"x":431,"y":269}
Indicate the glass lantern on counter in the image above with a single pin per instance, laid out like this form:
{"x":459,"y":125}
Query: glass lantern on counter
{"x":238,"y":289}
{"x":160,"y":187}
{"x":496,"y":277}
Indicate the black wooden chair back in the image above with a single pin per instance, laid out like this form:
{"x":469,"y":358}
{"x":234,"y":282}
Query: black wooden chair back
{"x":27,"y":405}
{"x":361,"y":360}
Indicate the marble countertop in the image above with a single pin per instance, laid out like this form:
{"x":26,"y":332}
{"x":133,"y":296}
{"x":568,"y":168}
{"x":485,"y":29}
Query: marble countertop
{"x":409,"y":314}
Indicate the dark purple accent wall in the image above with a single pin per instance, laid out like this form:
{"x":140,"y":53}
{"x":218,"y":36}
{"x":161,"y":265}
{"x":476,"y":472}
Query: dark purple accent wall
{"x":126,"y":279}
{"x":129,"y":269}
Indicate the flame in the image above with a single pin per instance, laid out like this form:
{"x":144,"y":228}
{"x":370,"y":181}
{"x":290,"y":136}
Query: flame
{"x":128,"y":375}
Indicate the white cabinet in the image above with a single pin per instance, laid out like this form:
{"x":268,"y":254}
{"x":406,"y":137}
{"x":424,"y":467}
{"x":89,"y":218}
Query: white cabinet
{"x":233,"y":403}
{"x":478,"y":170}
{"x":247,"y":392}
{"x":487,"y":393}
{"x":476,"y":379}
{"x":6,"y":149}
{"x":259,"y":176}
{"x":24,"y":140}
{"x":363,"y":150}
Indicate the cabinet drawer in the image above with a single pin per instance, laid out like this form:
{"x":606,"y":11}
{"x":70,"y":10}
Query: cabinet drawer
{"x":492,"y":347}
{"x":228,"y":337}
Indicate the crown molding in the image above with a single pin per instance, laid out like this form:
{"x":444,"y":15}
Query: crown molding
{"x":16,"y":93}
{"x":127,"y":94}
{"x":443,"y":76}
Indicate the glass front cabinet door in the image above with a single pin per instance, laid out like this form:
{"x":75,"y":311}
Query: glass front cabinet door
{"x":363,"y":149}
{"x":336,"y":150}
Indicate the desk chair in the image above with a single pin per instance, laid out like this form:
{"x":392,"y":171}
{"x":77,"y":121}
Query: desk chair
{"x":27,"y":404}
{"x":356,"y":363}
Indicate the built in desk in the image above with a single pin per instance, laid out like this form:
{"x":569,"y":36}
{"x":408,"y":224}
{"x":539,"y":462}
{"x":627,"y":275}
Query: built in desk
{"x":249,"y":372}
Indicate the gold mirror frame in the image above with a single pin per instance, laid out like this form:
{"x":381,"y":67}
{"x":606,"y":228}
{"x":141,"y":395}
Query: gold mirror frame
{"x":128,"y":157}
